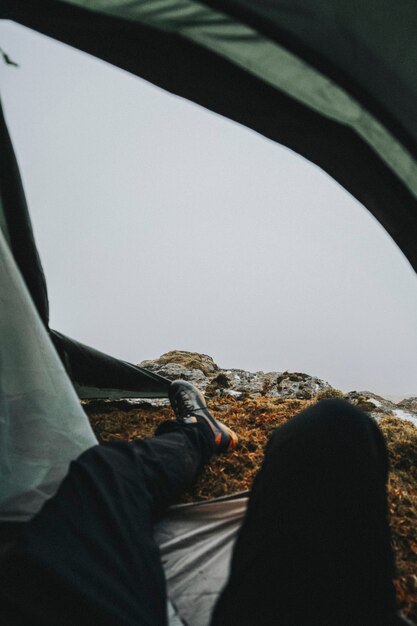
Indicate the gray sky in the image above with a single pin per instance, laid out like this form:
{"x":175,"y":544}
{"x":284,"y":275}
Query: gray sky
{"x":161,"y":225}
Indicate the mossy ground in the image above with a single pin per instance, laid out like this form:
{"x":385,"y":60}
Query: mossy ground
{"x":255,"y":420}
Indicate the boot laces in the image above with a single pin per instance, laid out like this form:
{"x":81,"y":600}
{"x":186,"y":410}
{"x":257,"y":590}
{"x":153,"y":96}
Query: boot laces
{"x":184,"y":404}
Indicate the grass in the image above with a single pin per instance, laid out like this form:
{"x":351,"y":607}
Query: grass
{"x":255,"y":419}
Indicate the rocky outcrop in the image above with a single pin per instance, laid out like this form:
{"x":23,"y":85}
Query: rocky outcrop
{"x":409,"y":404}
{"x":371,"y":402}
{"x":377,"y":406}
{"x":198,"y":369}
{"x":202,"y":371}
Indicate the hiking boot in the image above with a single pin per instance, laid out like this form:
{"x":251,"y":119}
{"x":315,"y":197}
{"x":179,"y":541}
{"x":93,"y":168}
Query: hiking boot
{"x":190,"y":407}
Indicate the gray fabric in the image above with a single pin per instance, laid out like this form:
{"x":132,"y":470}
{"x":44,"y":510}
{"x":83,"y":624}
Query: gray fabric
{"x":42,"y":425}
{"x":196,"y":542}
{"x":3,"y":223}
{"x":173,"y":617}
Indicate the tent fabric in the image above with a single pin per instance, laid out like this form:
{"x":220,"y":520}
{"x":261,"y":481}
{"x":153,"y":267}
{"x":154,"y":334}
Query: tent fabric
{"x":16,"y":226}
{"x":97,"y":375}
{"x":334,"y":81}
{"x":173,"y":617}
{"x":196,"y":543}
{"x":274,"y":64}
{"x":42,"y":425}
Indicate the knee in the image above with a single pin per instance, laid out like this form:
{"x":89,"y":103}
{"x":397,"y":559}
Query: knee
{"x":338,"y":406}
{"x":337,"y":414}
{"x":329,"y":440}
{"x":349,"y":428}
{"x":340,"y":411}
{"x":330,"y":425}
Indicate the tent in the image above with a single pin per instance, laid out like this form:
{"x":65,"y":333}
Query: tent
{"x":335,"y":81}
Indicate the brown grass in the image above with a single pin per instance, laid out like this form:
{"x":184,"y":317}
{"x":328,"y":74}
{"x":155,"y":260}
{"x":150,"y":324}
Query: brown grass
{"x":401,"y":438}
{"x":255,"y":420}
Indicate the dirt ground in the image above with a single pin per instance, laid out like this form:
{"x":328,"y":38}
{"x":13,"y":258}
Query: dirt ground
{"x":254,"y":420}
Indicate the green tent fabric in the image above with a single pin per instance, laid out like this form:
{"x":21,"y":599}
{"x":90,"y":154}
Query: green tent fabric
{"x":334,"y":81}
{"x":98,"y":375}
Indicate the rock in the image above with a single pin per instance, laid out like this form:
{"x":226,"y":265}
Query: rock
{"x":409,"y":404}
{"x":233,"y":394}
{"x":202,"y":371}
{"x":377,"y":406}
{"x":220,"y":382}
{"x":242,"y":382}
{"x":298,"y":385}
{"x":173,"y":371}
{"x":189,"y":360}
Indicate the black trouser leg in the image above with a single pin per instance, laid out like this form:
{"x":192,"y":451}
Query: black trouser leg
{"x":89,"y":558}
{"x":314,"y":548}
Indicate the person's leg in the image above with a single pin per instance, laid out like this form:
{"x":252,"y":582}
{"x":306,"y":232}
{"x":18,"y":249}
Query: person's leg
{"x":314,"y":547}
{"x":89,"y":556}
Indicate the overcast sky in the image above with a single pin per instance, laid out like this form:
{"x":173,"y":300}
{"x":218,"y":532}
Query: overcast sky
{"x":161,"y":225}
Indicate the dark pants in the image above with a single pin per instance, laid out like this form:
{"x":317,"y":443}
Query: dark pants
{"x":88,"y":558}
{"x":314,"y":548}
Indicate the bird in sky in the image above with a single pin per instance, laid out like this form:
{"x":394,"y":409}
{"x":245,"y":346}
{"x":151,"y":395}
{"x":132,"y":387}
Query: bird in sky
{"x":7,"y":59}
